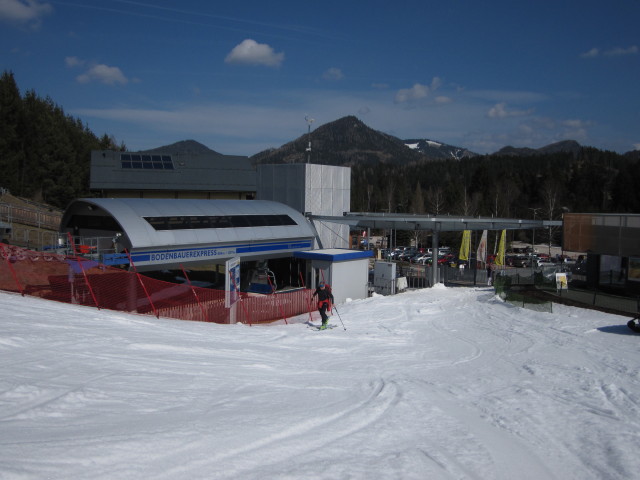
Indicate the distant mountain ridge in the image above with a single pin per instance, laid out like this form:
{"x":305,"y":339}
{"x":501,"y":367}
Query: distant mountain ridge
{"x":439,"y":150}
{"x":565,"y":146}
{"x":348,"y":141}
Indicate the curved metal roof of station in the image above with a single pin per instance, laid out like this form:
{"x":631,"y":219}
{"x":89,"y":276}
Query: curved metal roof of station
{"x":172,"y":246}
{"x":130,"y":214}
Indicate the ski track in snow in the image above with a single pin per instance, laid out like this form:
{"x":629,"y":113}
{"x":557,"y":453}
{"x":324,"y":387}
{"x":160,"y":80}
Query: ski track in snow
{"x":439,"y":384}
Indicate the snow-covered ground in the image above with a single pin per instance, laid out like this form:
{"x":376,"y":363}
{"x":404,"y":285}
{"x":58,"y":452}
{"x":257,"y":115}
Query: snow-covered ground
{"x":443,"y":383}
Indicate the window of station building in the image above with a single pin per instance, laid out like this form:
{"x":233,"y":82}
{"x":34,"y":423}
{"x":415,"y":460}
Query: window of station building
{"x":218,"y":221}
{"x":146,"y":162}
{"x":94,"y":222}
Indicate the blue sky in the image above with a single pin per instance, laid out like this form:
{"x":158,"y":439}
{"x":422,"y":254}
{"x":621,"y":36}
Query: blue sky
{"x":242,"y":76}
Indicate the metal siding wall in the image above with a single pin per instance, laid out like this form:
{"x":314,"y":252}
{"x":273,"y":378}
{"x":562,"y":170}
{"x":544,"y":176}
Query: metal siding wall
{"x":294,"y":188}
{"x":329,"y":190}
{"x":319,"y":189}
{"x":313,"y":194}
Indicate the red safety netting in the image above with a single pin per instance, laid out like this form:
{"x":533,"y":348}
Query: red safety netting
{"x":82,"y":281}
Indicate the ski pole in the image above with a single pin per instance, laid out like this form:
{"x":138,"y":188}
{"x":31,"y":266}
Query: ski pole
{"x":345,"y":328}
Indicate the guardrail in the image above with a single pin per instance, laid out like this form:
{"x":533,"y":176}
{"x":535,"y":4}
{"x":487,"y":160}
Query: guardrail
{"x":29,"y":216}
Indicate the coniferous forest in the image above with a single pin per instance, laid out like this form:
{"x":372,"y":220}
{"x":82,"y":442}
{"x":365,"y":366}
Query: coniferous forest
{"x":502,"y":186}
{"x":536,"y":187}
{"x":44,"y":153}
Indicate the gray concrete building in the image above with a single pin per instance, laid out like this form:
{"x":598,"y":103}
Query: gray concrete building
{"x":313,"y":189}
{"x":194,"y":175}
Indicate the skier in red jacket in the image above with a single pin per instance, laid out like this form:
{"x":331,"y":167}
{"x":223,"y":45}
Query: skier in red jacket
{"x":325,"y":300}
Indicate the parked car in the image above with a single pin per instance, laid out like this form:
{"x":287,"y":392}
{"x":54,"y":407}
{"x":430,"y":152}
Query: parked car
{"x":518,"y":261}
{"x":544,"y":263}
{"x":406,"y":255}
{"x":442,"y":259}
{"x":393,"y":255}
{"x":425,"y":259}
{"x":549,"y":272}
{"x":419,"y":258}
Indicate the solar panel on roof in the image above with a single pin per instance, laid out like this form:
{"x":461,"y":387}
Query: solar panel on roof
{"x":146,"y":162}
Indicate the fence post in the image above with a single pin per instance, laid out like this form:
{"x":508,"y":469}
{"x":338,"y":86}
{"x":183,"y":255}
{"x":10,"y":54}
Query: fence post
{"x":309,"y":300}
{"x":273,"y":292}
{"x":7,"y":253}
{"x":84,"y":274}
{"x":153,"y":307}
{"x":204,"y":313}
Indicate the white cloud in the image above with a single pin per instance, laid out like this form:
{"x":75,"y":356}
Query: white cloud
{"x":416,"y":92}
{"x":250,"y":52}
{"x":618,"y":51}
{"x":613,"y":52}
{"x":499,"y":110}
{"x":442,"y":100}
{"x":576,"y":129}
{"x":510,"y":96}
{"x":333,"y":74}
{"x":636,"y":146}
{"x":72,"y":61}
{"x":594,"y":52}
{"x":103,"y":74}
{"x":24,"y":11}
{"x":576,"y":123}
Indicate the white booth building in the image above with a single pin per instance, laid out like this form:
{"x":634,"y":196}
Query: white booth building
{"x":347,"y":271}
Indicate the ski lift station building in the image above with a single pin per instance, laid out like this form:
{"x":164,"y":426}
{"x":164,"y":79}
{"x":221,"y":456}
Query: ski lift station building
{"x":166,"y":234}
{"x":189,"y":229}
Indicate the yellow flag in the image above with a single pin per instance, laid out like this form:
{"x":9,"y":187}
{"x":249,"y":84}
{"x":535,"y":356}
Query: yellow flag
{"x":466,"y":245}
{"x":501,"y":248}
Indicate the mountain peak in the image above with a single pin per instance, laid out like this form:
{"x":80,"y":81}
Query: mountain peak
{"x":346,"y":141}
{"x":183,"y":147}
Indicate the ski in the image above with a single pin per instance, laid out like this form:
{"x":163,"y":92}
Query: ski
{"x":319,"y":327}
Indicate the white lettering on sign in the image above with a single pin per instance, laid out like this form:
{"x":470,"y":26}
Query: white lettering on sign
{"x":190,"y":254}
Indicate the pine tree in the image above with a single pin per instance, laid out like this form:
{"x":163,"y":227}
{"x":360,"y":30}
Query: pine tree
{"x":11,"y":121}
{"x":44,"y":153}
{"x":417,"y":201}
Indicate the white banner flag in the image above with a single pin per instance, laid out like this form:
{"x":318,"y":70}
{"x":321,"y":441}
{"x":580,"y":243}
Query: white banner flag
{"x":482,"y":248}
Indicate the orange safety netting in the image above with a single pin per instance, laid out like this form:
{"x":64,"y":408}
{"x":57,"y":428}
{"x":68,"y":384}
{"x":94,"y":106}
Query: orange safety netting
{"x":82,"y":281}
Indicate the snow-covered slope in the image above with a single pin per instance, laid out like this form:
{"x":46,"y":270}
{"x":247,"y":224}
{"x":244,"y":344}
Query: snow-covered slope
{"x":437,"y":150}
{"x":445,"y":383}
